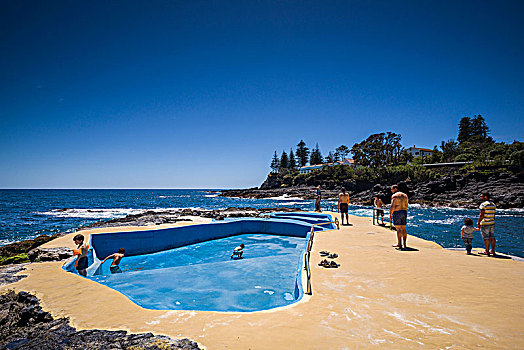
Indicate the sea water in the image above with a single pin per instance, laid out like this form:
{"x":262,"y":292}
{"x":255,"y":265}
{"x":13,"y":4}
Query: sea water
{"x":26,"y":214}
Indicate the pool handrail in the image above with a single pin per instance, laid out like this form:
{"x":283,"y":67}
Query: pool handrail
{"x":308,"y":252}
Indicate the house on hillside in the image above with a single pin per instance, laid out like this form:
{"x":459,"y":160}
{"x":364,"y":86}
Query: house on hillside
{"x":308,"y":168}
{"x":419,"y":152}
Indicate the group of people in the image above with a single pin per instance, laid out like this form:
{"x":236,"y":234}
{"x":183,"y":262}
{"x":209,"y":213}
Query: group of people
{"x":398,"y":216}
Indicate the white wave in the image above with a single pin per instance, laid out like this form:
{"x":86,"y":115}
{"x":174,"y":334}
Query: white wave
{"x":291,"y":203}
{"x":91,"y":213}
{"x":446,"y":221}
{"x":211,"y":195}
{"x":285,"y":197}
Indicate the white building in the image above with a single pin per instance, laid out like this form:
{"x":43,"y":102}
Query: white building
{"x":308,"y":168}
{"x":419,"y":152}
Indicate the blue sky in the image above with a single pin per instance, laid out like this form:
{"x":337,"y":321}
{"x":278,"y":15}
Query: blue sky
{"x":193,"y":94}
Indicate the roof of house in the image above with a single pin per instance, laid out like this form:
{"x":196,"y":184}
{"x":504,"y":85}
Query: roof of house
{"x":422,"y":149}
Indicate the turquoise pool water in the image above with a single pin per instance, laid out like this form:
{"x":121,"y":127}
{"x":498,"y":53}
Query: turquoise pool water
{"x":203,"y":277}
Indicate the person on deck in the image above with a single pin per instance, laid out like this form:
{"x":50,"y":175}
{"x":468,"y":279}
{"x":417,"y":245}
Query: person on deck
{"x":81,"y":250}
{"x":379,"y":206}
{"x":343,"y":205}
{"x":398,"y":215}
{"x":317,"y":201}
{"x":486,"y":222}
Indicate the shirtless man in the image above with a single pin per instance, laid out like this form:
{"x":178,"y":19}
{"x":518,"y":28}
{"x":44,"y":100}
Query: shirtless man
{"x":343,"y":205}
{"x":398,"y":215}
{"x":379,"y":206}
{"x":117,"y":257}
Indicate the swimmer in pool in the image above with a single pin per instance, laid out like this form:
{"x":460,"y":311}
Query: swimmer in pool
{"x":238,"y":251}
{"x":117,"y":257}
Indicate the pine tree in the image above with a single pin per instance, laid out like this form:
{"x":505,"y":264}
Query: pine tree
{"x":316,"y":156}
{"x":341,"y":152}
{"x":284,"y":161}
{"x":302,"y":153}
{"x":275,"y":163}
{"x":330,"y":158}
{"x":479,"y":127}
{"x":292,"y":162}
{"x":464,"y":130}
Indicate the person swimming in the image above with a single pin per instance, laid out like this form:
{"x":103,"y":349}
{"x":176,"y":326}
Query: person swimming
{"x":238,"y":251}
{"x":117,"y":257}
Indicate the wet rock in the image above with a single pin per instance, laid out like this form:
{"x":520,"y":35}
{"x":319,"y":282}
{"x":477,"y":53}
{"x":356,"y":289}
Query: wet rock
{"x":169,"y":217}
{"x":24,"y":325}
{"x":49,"y":254}
{"x":8,"y":273}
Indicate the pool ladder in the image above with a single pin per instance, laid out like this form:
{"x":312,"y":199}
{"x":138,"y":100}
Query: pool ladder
{"x":308,"y":251}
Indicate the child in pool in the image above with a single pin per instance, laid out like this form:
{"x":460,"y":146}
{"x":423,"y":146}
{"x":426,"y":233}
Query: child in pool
{"x":466,"y":233}
{"x":81,"y":251}
{"x":117,"y":257}
{"x":238,"y":251}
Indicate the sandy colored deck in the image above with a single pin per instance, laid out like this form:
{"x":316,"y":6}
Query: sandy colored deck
{"x":378,"y":298}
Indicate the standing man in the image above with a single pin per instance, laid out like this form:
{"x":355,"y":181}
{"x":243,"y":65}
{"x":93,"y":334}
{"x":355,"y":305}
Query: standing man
{"x":317,"y":200}
{"x":379,"y":206}
{"x":486,"y":222}
{"x":343,"y":205}
{"x":398,"y":215}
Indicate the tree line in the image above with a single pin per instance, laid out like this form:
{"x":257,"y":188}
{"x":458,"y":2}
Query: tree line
{"x":473,"y":144}
{"x":304,"y":156}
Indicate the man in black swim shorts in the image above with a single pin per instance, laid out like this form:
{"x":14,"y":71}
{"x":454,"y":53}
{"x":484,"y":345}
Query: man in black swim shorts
{"x":343,"y":206}
{"x":398,"y":215}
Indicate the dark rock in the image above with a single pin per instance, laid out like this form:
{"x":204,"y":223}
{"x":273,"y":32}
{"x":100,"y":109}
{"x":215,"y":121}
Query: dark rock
{"x":24,"y":325}
{"x":7,"y":273}
{"x":50,"y":254}
{"x":454,"y":189}
{"x":23,"y":247}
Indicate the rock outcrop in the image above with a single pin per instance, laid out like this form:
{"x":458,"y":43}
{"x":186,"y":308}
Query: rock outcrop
{"x":168,"y":217}
{"x":457,"y":190}
{"x":17,"y":252}
{"x":24,"y":325}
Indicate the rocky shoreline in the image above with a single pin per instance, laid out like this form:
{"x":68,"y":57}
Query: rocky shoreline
{"x":458,"y":191}
{"x":151,"y":217}
{"x":24,"y":325}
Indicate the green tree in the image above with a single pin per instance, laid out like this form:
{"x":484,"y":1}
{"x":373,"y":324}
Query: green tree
{"x":479,"y":127}
{"x":341,"y":152}
{"x":292,"y":162}
{"x":330,"y":158}
{"x":302,"y":153}
{"x":275,"y":163}
{"x":449,"y":150}
{"x":436,"y":156}
{"x":465,"y":130}
{"x":316,"y":156}
{"x":378,"y":150}
{"x":284,"y":161}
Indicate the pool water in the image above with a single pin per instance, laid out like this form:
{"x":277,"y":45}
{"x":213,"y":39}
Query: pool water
{"x":203,"y":277}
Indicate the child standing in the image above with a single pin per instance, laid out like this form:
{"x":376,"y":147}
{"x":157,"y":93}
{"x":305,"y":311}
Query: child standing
{"x":81,"y":260}
{"x":466,"y":233}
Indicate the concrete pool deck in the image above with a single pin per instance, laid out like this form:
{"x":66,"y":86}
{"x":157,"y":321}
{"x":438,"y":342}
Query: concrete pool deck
{"x":378,"y":298}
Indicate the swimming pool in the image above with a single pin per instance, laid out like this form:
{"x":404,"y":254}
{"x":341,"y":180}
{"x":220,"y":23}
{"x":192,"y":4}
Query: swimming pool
{"x":189,"y":268}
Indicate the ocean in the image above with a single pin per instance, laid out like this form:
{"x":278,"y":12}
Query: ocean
{"x":25,"y":214}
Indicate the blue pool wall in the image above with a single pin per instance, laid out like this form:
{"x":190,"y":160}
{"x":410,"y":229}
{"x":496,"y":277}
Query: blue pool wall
{"x":152,"y":241}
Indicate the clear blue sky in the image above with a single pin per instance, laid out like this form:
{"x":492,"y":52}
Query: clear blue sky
{"x":193,"y":94}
